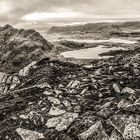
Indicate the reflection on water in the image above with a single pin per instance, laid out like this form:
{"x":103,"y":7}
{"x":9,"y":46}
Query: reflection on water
{"x":59,"y":37}
{"x":90,"y":53}
{"x":111,"y":40}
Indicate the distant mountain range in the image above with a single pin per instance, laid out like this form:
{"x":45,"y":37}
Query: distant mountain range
{"x":103,"y":28}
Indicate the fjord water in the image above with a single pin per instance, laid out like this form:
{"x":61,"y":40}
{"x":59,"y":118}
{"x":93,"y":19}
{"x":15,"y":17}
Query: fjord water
{"x":111,"y":40}
{"x":90,"y":53}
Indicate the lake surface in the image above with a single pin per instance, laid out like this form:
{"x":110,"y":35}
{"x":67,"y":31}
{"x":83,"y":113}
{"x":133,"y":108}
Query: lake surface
{"x":90,"y":53}
{"x":111,"y":40}
{"x":59,"y":37}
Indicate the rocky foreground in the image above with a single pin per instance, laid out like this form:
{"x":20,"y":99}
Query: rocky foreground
{"x":55,"y":100}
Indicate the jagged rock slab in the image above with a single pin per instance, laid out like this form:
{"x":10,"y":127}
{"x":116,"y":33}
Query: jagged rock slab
{"x":94,"y":132}
{"x":28,"y":134}
{"x":62,"y":122}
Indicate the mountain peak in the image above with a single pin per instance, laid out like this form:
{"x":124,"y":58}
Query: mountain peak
{"x":20,"y":47}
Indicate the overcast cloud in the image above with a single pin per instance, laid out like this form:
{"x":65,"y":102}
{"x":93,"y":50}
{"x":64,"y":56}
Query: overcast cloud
{"x":17,"y":12}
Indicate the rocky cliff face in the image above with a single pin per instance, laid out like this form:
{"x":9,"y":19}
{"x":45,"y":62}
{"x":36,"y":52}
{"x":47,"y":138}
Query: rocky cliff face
{"x":18,"y":48}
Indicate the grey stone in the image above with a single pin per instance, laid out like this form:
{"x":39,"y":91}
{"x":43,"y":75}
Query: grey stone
{"x":28,"y":134}
{"x":95,"y":132}
{"x":62,"y":122}
{"x":132,"y":131}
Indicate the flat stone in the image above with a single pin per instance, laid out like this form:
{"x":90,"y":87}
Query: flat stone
{"x":62,"y":122}
{"x":128,"y":90}
{"x":75,"y":83}
{"x":135,"y":108}
{"x":105,"y":112}
{"x":123,"y":104}
{"x":132,"y":131}
{"x":28,"y":134}
{"x":54,"y":100}
{"x":116,"y":88}
{"x":97,"y":72}
{"x":24,"y":117}
{"x":58,"y":92}
{"x":23,"y":72}
{"x":44,"y":85}
{"x":106,"y":105}
{"x":61,"y":86}
{"x":47,"y":93}
{"x":95,"y":131}
{"x":55,"y":111}
{"x":77,"y":109}
{"x":84,"y":91}
{"x":118,"y":122}
{"x":70,"y":83}
{"x":93,"y":80}
{"x":9,"y":82}
{"x":116,"y":136}
{"x":36,"y":118}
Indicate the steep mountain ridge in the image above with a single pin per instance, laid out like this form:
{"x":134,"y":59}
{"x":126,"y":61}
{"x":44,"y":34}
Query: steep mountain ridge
{"x":18,"y":48}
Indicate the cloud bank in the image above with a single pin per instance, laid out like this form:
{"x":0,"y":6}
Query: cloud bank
{"x":24,"y":11}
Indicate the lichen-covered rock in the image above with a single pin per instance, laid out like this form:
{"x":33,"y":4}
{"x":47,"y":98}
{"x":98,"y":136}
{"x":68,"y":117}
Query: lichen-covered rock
{"x":135,"y":108}
{"x":94,"y":132}
{"x":8,"y":82}
{"x":56,"y":111}
{"x":116,"y":88}
{"x":36,"y":118}
{"x":25,"y":71}
{"x":73,"y":84}
{"x":123,"y":104}
{"x":116,"y":136}
{"x":62,"y":122}
{"x":28,"y":134}
{"x":54,"y":100}
{"x":128,"y":90}
{"x":132,"y":131}
{"x":118,"y":122}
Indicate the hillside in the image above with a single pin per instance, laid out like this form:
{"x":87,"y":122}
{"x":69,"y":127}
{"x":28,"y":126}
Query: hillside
{"x":99,"y":29}
{"x":18,"y":48}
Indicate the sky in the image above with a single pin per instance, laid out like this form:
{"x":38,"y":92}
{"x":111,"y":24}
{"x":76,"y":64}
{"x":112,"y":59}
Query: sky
{"x":29,"y":13}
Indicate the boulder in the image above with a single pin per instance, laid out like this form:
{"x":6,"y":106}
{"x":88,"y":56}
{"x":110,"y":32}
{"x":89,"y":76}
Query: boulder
{"x":56,"y":111}
{"x":134,"y":108}
{"x":25,"y":71}
{"x":36,"y":118}
{"x":73,"y":84}
{"x":123,"y":104}
{"x":62,"y":122}
{"x":44,"y":85}
{"x":118,"y":122}
{"x":54,"y":100}
{"x":128,"y":90}
{"x":132,"y":131}
{"x":116,"y":88}
{"x":28,"y":134}
{"x":94,"y":132}
{"x":116,"y":136}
